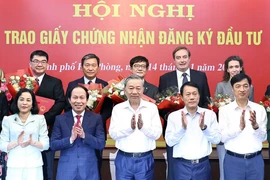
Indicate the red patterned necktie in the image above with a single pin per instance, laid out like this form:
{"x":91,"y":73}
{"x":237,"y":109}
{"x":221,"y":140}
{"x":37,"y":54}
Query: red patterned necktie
{"x":78,"y":121}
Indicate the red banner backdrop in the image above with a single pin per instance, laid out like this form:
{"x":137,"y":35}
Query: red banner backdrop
{"x":118,"y":30}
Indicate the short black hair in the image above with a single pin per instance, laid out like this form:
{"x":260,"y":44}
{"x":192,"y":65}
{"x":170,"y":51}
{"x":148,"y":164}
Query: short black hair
{"x":78,"y":86}
{"x":90,"y":56}
{"x":240,"y":77}
{"x":189,"y":84}
{"x":39,"y":53}
{"x":137,"y":59}
{"x":14,"y":105}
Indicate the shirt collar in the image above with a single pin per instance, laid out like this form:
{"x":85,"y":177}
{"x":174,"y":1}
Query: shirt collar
{"x":40,"y":78}
{"x":142,"y":104}
{"x":199,"y":110}
{"x":74,"y":114}
{"x":179,"y":73}
{"x":87,"y":80}
{"x":235,"y":105}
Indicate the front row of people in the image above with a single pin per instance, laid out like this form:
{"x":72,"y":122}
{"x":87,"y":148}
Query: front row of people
{"x":135,"y":125}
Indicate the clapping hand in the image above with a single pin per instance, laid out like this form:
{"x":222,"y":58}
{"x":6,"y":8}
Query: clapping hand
{"x":79,"y":131}
{"x":74,"y":132}
{"x":140,"y":122}
{"x":133,"y":122}
{"x":26,"y":143}
{"x":184,"y":120}
{"x":253,"y":119}
{"x":201,"y":120}
{"x":242,"y":120}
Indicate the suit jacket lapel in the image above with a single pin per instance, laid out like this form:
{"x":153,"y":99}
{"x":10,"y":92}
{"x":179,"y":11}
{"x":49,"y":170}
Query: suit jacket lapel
{"x":146,"y":86}
{"x":42,"y":86}
{"x":29,"y":120}
{"x":81,"y":80}
{"x":98,"y":81}
{"x":70,"y":119}
{"x":193,"y":77}
{"x":173,"y":79}
{"x":86,"y":119}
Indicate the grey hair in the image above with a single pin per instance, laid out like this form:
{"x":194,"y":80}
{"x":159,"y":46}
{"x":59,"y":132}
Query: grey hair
{"x":133,"y":76}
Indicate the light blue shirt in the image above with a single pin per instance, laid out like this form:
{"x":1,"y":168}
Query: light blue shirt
{"x":192,"y":142}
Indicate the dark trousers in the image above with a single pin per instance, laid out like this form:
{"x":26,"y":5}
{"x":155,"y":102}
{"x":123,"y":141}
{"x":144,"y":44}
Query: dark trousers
{"x":236,"y":168}
{"x":99,"y":158}
{"x":134,"y":168}
{"x":188,"y":171}
{"x":48,"y":160}
{"x":3,"y":164}
{"x":170,"y":163}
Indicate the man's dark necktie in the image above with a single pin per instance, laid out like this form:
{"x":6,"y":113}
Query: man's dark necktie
{"x":37,"y":80}
{"x":184,"y":78}
{"x":89,"y":82}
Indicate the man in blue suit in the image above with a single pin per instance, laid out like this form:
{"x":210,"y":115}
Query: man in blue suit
{"x":77,"y":134}
{"x":90,"y":67}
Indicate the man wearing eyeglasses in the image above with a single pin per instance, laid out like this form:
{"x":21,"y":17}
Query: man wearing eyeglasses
{"x":243,"y":130}
{"x":52,"y":88}
{"x":139,"y":66}
{"x":90,"y":67}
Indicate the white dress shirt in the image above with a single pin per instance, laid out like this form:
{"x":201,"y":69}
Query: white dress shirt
{"x":192,"y":142}
{"x":180,"y":77}
{"x":248,"y":140}
{"x":129,"y":140}
{"x":74,"y":114}
{"x":87,"y":80}
{"x":40,"y":78}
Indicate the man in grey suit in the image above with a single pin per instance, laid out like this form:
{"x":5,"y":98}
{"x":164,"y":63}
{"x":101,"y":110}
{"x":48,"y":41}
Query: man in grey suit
{"x":139,"y":66}
{"x":182,"y":74}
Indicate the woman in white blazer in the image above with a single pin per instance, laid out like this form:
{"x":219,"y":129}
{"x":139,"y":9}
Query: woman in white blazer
{"x":24,"y":135}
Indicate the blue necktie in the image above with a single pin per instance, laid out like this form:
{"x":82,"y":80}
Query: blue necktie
{"x":184,"y":78}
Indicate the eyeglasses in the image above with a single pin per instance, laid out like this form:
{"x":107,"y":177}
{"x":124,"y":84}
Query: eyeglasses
{"x":36,"y":62}
{"x":137,"y":66}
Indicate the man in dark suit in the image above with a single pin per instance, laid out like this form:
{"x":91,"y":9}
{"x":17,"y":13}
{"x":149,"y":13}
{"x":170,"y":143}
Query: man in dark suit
{"x":77,"y":134}
{"x":267,"y":93}
{"x":139,"y":66}
{"x":52,"y":88}
{"x":90,"y":67}
{"x":182,"y":74}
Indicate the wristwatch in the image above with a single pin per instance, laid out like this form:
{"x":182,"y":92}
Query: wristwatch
{"x":204,"y":128}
